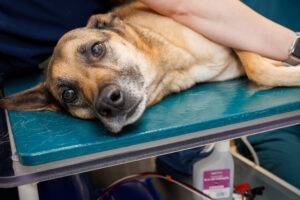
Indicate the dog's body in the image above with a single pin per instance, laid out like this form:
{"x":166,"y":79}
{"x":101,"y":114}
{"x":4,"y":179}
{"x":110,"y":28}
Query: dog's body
{"x":180,"y":57}
{"x":131,"y":58}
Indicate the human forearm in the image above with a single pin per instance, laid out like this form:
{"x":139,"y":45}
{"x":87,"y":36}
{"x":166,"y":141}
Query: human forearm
{"x":230,"y":23}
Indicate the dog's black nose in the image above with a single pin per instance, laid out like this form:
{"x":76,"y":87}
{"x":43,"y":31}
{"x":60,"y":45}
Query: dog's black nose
{"x":112,"y":95}
{"x":110,"y":101}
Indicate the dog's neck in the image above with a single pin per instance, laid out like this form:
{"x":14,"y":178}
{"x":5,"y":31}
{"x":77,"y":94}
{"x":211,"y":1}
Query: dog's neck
{"x":138,"y":23}
{"x":178,"y":56}
{"x":173,"y":60}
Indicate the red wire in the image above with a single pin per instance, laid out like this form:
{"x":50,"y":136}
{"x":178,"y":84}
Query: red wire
{"x":150,"y":174}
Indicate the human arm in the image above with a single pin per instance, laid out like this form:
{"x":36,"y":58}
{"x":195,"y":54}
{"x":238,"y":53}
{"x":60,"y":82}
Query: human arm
{"x":230,"y":23}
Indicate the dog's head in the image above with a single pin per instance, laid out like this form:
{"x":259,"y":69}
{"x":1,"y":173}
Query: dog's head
{"x":93,"y":73}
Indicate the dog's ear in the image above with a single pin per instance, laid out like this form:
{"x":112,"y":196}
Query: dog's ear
{"x":44,"y":65}
{"x":36,"y":98}
{"x":105,"y":21}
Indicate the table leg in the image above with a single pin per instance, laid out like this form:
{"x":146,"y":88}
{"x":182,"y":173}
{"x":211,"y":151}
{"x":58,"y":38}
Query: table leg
{"x":28,"y":192}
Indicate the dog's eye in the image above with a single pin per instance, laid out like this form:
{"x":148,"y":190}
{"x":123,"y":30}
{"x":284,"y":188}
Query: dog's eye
{"x":98,"y":49}
{"x":69,"y":96}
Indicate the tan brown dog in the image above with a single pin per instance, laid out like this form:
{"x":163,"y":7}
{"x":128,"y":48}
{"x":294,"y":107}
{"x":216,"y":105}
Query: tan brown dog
{"x":126,"y":60}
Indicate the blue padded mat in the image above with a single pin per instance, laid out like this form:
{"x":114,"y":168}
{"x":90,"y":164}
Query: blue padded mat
{"x":42,"y":137}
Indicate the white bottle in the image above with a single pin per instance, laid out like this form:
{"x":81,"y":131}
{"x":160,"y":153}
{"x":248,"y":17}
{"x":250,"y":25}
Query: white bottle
{"x":214,"y":174}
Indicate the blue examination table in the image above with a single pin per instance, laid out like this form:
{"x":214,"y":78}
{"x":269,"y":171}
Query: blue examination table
{"x":47,"y":145}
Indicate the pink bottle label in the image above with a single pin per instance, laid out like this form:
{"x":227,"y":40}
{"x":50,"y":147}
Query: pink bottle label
{"x":216,"y":179}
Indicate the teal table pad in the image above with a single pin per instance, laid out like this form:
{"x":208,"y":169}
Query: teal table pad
{"x":42,"y":137}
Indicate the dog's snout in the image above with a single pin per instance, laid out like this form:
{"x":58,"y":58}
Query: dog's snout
{"x":110,"y":101}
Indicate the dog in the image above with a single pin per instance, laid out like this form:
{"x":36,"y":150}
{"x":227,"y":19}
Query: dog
{"x":132,"y":57}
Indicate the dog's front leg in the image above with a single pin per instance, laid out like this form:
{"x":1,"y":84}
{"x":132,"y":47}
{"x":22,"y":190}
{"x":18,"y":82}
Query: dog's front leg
{"x":171,"y":82}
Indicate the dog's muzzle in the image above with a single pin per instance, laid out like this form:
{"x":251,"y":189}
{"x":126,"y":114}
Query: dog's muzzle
{"x":111,"y":101}
{"x":117,"y":107}
{"x":114,"y":106}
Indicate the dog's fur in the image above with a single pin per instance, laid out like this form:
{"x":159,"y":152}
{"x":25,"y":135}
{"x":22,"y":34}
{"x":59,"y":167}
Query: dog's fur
{"x":148,"y":56}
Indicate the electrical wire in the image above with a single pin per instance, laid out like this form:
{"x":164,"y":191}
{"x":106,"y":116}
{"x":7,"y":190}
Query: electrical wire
{"x":251,"y":149}
{"x":153,"y":175}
